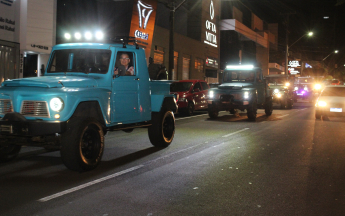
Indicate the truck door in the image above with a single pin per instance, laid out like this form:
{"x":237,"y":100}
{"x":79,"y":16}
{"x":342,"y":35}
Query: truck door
{"x":125,"y":88}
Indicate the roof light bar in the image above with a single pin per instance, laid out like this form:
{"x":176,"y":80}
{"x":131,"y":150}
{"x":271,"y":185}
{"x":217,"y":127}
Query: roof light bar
{"x":240,"y":67}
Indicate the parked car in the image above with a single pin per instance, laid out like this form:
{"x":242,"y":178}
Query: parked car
{"x":192,"y":95}
{"x":213,"y":85}
{"x":335,"y":82}
{"x":331,"y":102}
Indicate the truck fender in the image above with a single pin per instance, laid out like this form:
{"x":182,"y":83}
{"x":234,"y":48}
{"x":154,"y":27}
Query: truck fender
{"x":89,"y":109}
{"x":169,"y":103}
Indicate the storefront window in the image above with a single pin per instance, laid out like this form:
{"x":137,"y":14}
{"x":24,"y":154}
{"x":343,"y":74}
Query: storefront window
{"x":199,"y":65}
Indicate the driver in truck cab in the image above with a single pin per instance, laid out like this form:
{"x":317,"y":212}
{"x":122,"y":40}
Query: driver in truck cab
{"x":124,"y":69}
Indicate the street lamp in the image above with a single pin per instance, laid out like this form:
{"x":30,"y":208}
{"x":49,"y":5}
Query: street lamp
{"x":287,"y":49}
{"x":335,"y":51}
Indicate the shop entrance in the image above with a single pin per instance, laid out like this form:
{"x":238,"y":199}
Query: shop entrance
{"x":30,"y":66}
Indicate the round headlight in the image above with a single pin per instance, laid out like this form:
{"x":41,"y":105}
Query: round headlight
{"x":321,"y":103}
{"x":317,"y":86}
{"x":276,"y":90}
{"x":287,"y":84}
{"x":296,"y":88}
{"x":56,"y":104}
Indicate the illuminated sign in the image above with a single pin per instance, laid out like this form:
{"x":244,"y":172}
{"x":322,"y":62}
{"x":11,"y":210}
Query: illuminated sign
{"x":211,"y":62}
{"x":293,"y":65}
{"x":211,"y":29}
{"x":144,"y":13}
{"x":143,"y":23}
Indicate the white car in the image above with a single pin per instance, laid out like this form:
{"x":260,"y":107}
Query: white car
{"x":331,"y":102}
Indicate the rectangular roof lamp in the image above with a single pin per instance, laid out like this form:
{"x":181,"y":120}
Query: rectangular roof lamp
{"x":240,"y":67}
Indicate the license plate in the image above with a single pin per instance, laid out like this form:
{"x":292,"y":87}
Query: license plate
{"x":336,"y":110}
{"x":299,"y":94}
{"x":6,"y":128}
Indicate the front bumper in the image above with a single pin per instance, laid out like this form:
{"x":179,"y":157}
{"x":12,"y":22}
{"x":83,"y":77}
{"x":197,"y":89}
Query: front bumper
{"x":31,"y":127}
{"x":330,"y":111}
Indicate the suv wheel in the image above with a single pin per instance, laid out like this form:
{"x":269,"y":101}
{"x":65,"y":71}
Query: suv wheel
{"x":82,"y":145}
{"x":252,"y":110}
{"x":289,"y":103}
{"x":162,"y":130}
{"x":212,"y":111}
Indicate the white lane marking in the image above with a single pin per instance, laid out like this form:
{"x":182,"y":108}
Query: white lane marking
{"x":236,"y":132}
{"x":190,"y":117}
{"x":284,"y":115}
{"x":89,"y":184}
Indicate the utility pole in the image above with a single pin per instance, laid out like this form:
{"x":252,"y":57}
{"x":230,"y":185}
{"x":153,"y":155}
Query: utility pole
{"x":172,"y":8}
{"x":287,"y":44}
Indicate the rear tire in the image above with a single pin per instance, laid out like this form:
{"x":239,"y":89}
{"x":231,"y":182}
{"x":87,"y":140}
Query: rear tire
{"x":268,"y":106}
{"x":162,"y":130}
{"x":9,"y":152}
{"x":82,"y":145}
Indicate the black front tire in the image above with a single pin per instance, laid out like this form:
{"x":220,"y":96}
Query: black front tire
{"x":190,"y":109}
{"x":212,"y":111}
{"x":252,"y":111}
{"x":162,"y":130}
{"x":289,"y":103}
{"x":317,"y":115}
{"x":268,"y":107}
{"x":82,"y":145}
{"x":9,"y":152}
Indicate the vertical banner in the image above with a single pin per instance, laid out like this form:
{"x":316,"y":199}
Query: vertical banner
{"x":143,"y":23}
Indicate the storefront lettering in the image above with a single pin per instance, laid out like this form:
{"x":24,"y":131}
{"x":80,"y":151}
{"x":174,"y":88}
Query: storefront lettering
{"x":211,"y":38}
{"x":39,"y":46}
{"x":7,"y":28}
{"x":12,"y":22}
{"x":142,"y":35}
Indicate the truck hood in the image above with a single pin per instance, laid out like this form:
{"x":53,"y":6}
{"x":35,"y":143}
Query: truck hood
{"x":52,"y":82}
{"x":235,"y":85}
{"x":280,"y":87}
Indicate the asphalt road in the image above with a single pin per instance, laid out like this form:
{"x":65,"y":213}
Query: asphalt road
{"x":285,"y":164}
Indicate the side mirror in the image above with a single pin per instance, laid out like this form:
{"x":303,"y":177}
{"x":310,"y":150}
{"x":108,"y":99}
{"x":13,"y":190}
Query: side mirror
{"x":42,"y":69}
{"x":196,"y":90}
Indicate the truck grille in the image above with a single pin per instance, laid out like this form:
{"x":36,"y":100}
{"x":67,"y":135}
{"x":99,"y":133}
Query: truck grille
{"x":35,"y":108}
{"x":5,"y":106}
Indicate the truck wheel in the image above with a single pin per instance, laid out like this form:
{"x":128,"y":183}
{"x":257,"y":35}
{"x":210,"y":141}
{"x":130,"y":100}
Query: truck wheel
{"x":190,"y":109}
{"x":162,"y":130}
{"x":212,"y":111}
{"x":289,"y":103}
{"x":268,"y":107}
{"x":9,"y":152}
{"x":233,"y":111}
{"x":82,"y":145}
{"x":317,"y":115}
{"x":252,"y":110}
{"x":283,"y":103}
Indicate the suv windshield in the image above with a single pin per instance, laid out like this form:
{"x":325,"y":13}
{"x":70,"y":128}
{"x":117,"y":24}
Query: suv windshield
{"x":276,"y":80}
{"x":334,"y":91}
{"x":80,"y":60}
{"x":180,"y":86}
{"x":239,"y":76}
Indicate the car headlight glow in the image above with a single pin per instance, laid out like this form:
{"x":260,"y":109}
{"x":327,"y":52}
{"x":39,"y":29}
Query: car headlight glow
{"x":279,"y":95}
{"x":287,"y":84}
{"x":246,"y":95}
{"x":211,"y":94}
{"x":56,"y":104}
{"x":276,"y":90}
{"x":296,"y":88}
{"x":317,"y":86}
{"x":321,"y":103}
{"x":306,"y":88}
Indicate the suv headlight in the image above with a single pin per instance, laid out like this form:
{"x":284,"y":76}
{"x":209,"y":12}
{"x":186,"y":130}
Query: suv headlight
{"x":56,"y":104}
{"x":246,"y":95}
{"x":211,"y":94}
{"x":276,"y":91}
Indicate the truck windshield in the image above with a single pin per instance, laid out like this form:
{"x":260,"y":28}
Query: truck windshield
{"x":80,"y":60}
{"x":239,"y":76}
{"x":180,"y":86}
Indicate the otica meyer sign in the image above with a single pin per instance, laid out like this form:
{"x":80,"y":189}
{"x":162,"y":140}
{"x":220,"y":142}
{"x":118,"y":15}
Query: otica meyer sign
{"x":211,"y":27}
{"x":294,"y":67}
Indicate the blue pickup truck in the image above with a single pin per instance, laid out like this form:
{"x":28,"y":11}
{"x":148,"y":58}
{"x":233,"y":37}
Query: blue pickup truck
{"x":80,"y":98}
